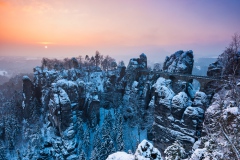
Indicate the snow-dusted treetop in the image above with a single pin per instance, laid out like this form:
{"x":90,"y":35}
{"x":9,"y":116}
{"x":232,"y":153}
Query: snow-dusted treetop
{"x":145,"y":151}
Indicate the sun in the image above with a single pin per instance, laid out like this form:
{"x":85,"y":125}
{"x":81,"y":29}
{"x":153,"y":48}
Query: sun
{"x":45,"y":47}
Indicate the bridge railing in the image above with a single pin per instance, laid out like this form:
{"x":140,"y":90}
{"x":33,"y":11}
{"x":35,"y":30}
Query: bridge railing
{"x":221,"y":78}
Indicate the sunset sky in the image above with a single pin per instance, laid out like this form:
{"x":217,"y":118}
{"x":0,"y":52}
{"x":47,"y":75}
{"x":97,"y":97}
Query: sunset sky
{"x":119,"y":28}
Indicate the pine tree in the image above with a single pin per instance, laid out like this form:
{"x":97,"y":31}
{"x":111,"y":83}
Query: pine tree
{"x":82,"y":156}
{"x":11,"y":130}
{"x":96,"y":144}
{"x":2,"y":152}
{"x":116,"y":124}
{"x":28,"y":153}
{"x":175,"y":151}
{"x":97,"y":138}
{"x":19,"y":155}
{"x":107,"y":148}
{"x":120,"y":143}
{"x":80,"y":128}
{"x":107,"y":125}
{"x":86,"y":139}
{"x":94,"y":154}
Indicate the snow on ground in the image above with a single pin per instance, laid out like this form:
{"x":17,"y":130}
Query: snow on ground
{"x":120,"y":156}
{"x":64,"y":82}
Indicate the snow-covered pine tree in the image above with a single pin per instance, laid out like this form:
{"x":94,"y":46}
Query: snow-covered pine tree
{"x":94,"y":154}
{"x":29,"y":153}
{"x":97,"y":138}
{"x":120,"y":143}
{"x":107,"y":125}
{"x":86,"y":140}
{"x":96,"y":144}
{"x":107,"y":148}
{"x":2,"y":152}
{"x":11,"y":130}
{"x":80,"y":127}
{"x":175,"y":151}
{"x":19,"y":155}
{"x":82,"y":156}
{"x":116,"y":123}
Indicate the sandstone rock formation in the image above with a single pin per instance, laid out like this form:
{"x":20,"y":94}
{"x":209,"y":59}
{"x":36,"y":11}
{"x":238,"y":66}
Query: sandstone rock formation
{"x":177,"y":117}
{"x":179,"y":62}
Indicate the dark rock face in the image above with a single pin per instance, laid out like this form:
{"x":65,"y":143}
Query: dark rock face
{"x":28,"y":93}
{"x":215,"y":69}
{"x":93,"y":113}
{"x":180,"y":62}
{"x":60,"y":109}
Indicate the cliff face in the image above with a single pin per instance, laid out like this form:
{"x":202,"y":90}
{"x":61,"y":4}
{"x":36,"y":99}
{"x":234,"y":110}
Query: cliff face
{"x":222,"y":117}
{"x":178,"y":115}
{"x":79,"y":108}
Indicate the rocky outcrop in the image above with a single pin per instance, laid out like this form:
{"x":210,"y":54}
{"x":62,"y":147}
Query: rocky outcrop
{"x":179,"y":103}
{"x":221,"y":127}
{"x":215,"y":69}
{"x":179,"y":109}
{"x":28,"y":97}
{"x":72,"y":99}
{"x":227,"y":64}
{"x":179,"y":62}
{"x":177,"y":117}
{"x":147,"y":150}
{"x":138,"y":63}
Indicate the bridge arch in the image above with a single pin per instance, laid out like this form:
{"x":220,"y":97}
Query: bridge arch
{"x":200,"y":81}
{"x":172,"y":78}
{"x":193,"y":86}
{"x":196,"y":84}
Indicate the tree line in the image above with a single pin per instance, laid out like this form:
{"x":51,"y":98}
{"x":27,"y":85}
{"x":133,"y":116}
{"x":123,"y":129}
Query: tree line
{"x":96,"y":62}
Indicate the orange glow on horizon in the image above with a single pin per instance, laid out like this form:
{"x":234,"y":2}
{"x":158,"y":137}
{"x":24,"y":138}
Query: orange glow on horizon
{"x":107,"y":24}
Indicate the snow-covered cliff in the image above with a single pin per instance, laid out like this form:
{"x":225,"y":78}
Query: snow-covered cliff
{"x":83,"y":112}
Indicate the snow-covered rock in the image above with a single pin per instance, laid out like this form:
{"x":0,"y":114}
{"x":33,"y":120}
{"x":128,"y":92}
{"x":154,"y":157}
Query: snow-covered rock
{"x":200,"y":100}
{"x":120,"y":156}
{"x":145,"y":151}
{"x":179,"y":103}
{"x":138,"y":63}
{"x":74,"y":101}
{"x":180,"y":62}
{"x":192,"y":117}
{"x":177,"y":117}
{"x":215,"y":69}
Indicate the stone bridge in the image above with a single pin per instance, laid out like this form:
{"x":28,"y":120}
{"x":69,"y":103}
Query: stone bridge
{"x":203,"y":80}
